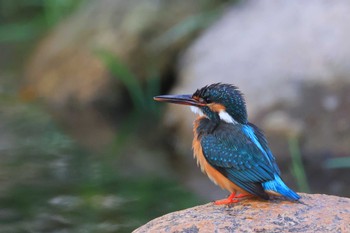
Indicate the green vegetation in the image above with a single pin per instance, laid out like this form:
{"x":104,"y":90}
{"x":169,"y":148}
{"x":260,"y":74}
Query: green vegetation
{"x":25,"y":20}
{"x":337,"y":163}
{"x":142,"y":98}
{"x":298,"y":169}
{"x":145,"y":111}
{"x":53,"y":184}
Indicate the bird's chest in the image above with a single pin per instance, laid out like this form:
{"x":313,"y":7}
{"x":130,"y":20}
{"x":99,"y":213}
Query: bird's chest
{"x":206,"y":168}
{"x":202,"y":162}
{"x":202,"y":126}
{"x":198,"y":154}
{"x":196,"y":146}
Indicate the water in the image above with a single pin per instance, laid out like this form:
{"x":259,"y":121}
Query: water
{"x":50,"y":184}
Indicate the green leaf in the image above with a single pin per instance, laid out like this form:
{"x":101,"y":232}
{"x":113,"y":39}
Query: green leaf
{"x":297,"y":164}
{"x":123,"y":74}
{"x":338,"y":163}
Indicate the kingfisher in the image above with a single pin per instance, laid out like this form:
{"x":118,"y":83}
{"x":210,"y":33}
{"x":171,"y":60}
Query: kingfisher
{"x":233,"y":152}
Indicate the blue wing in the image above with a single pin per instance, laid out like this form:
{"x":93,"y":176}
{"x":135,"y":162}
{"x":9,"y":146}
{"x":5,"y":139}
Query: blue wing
{"x":256,"y":134}
{"x":240,"y":153}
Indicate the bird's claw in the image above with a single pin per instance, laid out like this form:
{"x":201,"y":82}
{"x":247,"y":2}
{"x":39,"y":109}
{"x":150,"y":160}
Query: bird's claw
{"x":233,"y":198}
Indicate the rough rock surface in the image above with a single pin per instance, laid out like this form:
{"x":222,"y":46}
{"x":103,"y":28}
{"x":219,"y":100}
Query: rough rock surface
{"x":316,"y":213}
{"x":290,"y":59}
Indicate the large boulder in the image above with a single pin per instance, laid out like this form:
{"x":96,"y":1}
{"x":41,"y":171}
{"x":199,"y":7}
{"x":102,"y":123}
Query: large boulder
{"x":315,"y":213}
{"x":290,"y":59}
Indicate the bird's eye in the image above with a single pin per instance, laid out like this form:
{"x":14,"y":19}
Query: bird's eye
{"x":208,"y":100}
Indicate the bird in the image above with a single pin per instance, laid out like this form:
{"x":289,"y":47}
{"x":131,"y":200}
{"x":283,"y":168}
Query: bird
{"x":230,"y":150}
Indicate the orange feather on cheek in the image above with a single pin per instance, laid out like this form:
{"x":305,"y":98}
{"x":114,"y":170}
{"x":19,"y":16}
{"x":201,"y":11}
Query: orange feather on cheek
{"x":216,"y":107}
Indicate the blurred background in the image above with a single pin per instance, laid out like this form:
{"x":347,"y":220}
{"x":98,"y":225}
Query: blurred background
{"x":83,"y":146}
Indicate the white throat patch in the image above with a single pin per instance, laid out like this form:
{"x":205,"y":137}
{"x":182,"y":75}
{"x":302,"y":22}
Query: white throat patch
{"x":226,"y":117}
{"x":197,"y":110}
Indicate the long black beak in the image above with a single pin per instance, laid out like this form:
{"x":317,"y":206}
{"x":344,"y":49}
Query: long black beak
{"x":179,"y":99}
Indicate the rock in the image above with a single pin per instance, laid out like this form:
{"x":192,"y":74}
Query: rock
{"x":272,"y":57}
{"x":316,"y":213}
{"x":68,"y":75}
{"x":290,"y":59}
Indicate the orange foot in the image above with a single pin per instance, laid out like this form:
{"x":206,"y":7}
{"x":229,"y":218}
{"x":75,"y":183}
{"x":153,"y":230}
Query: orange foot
{"x":233,"y":198}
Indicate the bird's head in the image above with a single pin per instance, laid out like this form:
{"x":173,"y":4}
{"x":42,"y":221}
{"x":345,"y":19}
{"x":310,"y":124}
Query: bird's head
{"x":216,"y":101}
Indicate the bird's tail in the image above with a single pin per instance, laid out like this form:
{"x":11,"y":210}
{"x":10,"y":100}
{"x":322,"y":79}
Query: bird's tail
{"x":278,"y":186}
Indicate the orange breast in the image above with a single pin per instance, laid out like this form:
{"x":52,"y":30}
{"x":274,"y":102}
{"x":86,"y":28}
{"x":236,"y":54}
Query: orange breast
{"x":206,"y":168}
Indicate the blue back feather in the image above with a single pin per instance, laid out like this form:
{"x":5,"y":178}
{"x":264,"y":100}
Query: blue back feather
{"x":240,"y":152}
